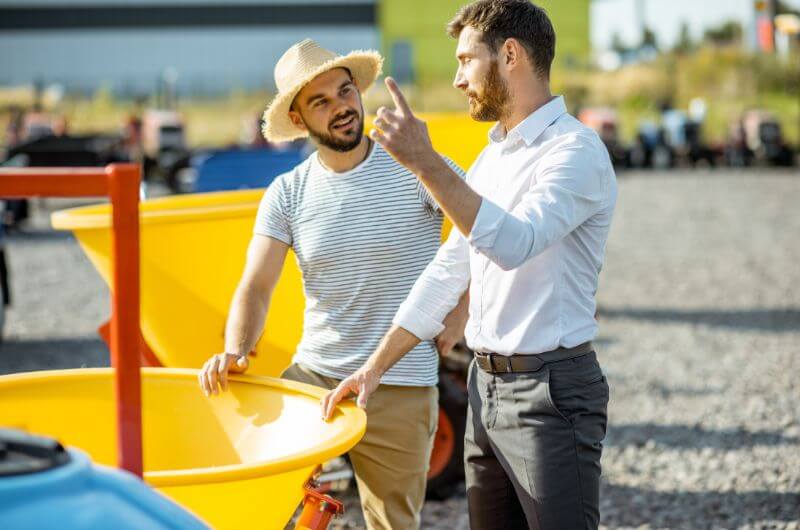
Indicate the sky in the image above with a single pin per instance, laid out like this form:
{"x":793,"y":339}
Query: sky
{"x":665,"y":18}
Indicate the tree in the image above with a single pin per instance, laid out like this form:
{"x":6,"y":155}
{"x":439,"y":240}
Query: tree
{"x":783,"y":8}
{"x":649,"y":38}
{"x":729,"y":32}
{"x":617,"y":45}
{"x":684,"y":44}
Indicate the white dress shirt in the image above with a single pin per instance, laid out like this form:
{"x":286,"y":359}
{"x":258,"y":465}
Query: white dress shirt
{"x":535,"y":251}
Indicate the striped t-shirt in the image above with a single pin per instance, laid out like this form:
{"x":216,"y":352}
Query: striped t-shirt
{"x":361,"y":239}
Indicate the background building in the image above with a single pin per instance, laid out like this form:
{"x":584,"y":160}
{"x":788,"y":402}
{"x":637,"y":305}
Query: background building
{"x":205,"y":46}
{"x":211,"y":47}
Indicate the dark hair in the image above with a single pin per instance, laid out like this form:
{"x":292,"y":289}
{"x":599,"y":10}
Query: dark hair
{"x":498,"y":20}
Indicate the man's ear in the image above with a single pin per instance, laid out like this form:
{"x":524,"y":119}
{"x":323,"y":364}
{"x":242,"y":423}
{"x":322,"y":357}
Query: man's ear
{"x":297,"y":120}
{"x":511,"y":53}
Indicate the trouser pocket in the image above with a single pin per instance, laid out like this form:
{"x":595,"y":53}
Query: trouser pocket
{"x":577,"y":387}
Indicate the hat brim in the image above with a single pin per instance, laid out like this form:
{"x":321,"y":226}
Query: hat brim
{"x":365,"y":67}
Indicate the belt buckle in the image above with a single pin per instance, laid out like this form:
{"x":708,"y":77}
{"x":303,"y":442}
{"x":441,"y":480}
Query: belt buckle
{"x":509,"y":369}
{"x":493,"y":368}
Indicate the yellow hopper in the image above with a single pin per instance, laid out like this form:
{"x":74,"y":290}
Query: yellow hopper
{"x":238,"y":460}
{"x":192,"y":256}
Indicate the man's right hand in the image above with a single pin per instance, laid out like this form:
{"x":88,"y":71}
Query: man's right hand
{"x":214,"y":374}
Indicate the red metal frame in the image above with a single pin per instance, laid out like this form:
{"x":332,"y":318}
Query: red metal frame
{"x":318,"y":508}
{"x":146,"y":355}
{"x":119,"y":182}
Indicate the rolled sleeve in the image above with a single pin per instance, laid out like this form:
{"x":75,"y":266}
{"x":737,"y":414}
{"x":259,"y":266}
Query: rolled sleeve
{"x":487,"y":225}
{"x":420,"y":324}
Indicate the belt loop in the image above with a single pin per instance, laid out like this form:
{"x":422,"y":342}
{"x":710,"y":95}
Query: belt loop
{"x":491,"y":362}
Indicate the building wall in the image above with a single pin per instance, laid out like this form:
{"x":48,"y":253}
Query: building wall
{"x":212,"y":46}
{"x":422,"y":24}
{"x":207,"y":61}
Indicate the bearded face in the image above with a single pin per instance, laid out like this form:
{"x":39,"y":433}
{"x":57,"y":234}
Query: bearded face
{"x":344,"y":130}
{"x":329,"y":107}
{"x":488,"y":100}
{"x":479,"y":77}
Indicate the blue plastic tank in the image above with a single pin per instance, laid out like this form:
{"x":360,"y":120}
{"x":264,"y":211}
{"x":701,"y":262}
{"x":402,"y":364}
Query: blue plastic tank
{"x":238,"y":169}
{"x":44,"y":486}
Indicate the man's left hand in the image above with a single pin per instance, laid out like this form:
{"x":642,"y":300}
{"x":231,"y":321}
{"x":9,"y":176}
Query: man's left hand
{"x":402,"y":134}
{"x":362,"y":383}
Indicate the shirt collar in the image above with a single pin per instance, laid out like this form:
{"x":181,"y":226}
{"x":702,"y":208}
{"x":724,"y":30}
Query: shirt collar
{"x":529,"y":129}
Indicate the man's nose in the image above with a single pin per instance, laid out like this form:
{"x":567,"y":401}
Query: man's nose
{"x":342,"y":108}
{"x":460,"y":82}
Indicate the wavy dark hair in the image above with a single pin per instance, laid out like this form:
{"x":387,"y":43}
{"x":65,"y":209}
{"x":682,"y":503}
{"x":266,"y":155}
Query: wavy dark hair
{"x":498,"y":20}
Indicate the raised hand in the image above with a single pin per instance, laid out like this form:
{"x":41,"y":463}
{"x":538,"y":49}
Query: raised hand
{"x":402,"y":134}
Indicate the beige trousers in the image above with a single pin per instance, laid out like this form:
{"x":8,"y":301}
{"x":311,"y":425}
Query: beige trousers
{"x":391,"y":460}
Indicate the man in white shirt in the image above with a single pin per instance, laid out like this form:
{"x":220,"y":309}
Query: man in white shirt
{"x":531,"y":225}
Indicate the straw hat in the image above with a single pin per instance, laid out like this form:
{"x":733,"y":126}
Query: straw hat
{"x":297,"y":67}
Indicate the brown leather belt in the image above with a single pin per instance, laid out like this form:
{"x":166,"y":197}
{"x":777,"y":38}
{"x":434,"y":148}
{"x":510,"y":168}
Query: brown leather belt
{"x":495,"y":363}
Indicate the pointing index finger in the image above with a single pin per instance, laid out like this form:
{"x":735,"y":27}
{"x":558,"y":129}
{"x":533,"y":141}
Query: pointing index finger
{"x":398,"y":97}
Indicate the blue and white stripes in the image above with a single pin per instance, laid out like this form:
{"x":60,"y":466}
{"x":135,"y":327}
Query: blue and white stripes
{"x":361,"y":239}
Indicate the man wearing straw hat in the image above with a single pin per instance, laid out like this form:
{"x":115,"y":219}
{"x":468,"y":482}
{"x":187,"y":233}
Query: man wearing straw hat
{"x":531,"y":224}
{"x":362,"y":228}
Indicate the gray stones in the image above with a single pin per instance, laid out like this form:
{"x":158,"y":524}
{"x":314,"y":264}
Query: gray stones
{"x":700,"y":339}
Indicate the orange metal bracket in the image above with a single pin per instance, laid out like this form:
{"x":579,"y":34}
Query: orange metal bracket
{"x":318,"y":508}
{"x":146,"y":355}
{"x":119,"y":182}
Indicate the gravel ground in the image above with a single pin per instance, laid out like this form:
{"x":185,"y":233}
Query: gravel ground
{"x":58,"y":299}
{"x":700,"y":336}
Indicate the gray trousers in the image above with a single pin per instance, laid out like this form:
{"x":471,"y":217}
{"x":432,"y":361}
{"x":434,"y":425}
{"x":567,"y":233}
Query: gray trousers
{"x":533,"y":444}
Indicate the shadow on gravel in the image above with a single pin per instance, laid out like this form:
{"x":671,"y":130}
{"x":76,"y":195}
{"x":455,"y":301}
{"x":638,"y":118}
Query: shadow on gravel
{"x":678,"y":390}
{"x":630,"y":506}
{"x":617,"y":377}
{"x":602,"y":341}
{"x":51,"y":354}
{"x":776,"y":320}
{"x":689,"y":437}
{"x":36,"y":235}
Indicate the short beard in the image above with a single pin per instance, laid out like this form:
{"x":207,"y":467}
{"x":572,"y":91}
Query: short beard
{"x":342,"y":146}
{"x":490,"y":106}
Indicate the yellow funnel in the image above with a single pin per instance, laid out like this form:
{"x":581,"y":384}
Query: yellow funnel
{"x":237,"y":460}
{"x":192,"y":256}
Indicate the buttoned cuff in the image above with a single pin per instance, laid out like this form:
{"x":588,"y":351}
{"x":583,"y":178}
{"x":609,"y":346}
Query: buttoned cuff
{"x":419,"y":323}
{"x":487,"y":225}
